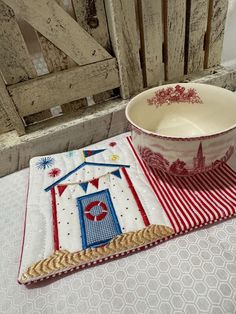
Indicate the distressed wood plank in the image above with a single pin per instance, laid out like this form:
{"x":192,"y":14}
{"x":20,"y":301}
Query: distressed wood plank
{"x":174,"y":24}
{"x":91,"y":15}
{"x":57,"y":60}
{"x":7,"y":104}
{"x":151,"y":29}
{"x":124,"y":37}
{"x":197,"y":16}
{"x":215,"y":32}
{"x":48,"y":18}
{"x":15,"y":62}
{"x":5,"y":122}
{"x":61,"y":134}
{"x":62,"y":87}
{"x":49,"y":137}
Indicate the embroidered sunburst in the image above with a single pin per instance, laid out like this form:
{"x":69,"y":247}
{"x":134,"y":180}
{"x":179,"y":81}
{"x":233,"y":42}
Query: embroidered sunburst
{"x":54,"y":172}
{"x":45,"y":162}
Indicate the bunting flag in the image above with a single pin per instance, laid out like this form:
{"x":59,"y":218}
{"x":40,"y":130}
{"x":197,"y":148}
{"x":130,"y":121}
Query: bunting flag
{"x":116,"y":173}
{"x":61,"y":189}
{"x":88,"y":153}
{"x":95,"y":182}
{"x":84,"y":186}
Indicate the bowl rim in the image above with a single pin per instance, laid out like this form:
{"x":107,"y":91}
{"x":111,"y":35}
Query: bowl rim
{"x":177,"y":138}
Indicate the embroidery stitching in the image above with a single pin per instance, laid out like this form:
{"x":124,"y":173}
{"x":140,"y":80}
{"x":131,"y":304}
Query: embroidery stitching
{"x":45,"y":162}
{"x":99,"y":230}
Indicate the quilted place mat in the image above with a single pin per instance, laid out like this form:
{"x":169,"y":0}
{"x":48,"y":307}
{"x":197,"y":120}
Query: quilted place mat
{"x":92,"y":205}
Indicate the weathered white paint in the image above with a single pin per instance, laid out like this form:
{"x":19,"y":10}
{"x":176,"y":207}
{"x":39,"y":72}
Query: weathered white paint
{"x":197,"y":29}
{"x":151,"y":30}
{"x":15,"y":62}
{"x":48,"y":18}
{"x":92,"y":17}
{"x":65,"y":86}
{"x":215,"y":32}
{"x":124,"y":37}
{"x":7,"y":104}
{"x":174,"y":24}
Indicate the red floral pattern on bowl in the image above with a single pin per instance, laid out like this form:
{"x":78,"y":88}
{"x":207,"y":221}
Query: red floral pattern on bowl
{"x":177,"y":94}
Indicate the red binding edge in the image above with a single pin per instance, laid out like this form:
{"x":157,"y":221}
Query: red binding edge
{"x":24,"y":230}
{"x":137,"y":200}
{"x":54,"y":218}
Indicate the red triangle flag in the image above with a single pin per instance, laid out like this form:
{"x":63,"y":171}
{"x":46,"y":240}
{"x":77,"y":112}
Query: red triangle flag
{"x":61,"y":189}
{"x":95,"y":182}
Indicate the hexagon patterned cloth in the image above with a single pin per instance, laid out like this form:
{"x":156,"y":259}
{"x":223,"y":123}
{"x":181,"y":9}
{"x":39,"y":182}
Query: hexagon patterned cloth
{"x":97,"y":204}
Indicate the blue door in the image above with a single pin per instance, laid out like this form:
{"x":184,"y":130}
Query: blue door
{"x":98,"y":220}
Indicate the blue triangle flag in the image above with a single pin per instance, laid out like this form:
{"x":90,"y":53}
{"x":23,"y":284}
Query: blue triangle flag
{"x":116,"y":173}
{"x":88,"y":153}
{"x":84,"y":186}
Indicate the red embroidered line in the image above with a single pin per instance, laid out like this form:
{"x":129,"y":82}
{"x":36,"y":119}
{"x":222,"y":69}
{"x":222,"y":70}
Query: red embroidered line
{"x":137,"y":200}
{"x":54,"y":218}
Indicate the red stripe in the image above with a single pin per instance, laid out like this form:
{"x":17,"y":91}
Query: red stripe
{"x":224,"y":207}
{"x":224,"y":184}
{"x":137,"y":200}
{"x":227,"y":185}
{"x":229,"y":169}
{"x":221,"y":193}
{"x":194,"y":200}
{"x":54,"y":218}
{"x":188,"y":204}
{"x":168,"y":208}
{"x":229,"y":175}
{"x":202,"y":199}
{"x":172,"y":198}
{"x":208,"y":199}
{"x":214,"y":196}
{"x":156,"y":191}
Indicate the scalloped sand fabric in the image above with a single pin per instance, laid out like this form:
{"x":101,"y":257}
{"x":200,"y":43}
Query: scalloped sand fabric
{"x":95,"y":204}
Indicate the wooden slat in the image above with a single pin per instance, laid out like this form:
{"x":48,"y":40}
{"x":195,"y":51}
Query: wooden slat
{"x":5,"y":122}
{"x":7,"y":104}
{"x":65,"y":133}
{"x":124,"y":37}
{"x":174,"y":41}
{"x":48,"y":18}
{"x":91,"y":15}
{"x":151,"y":29}
{"x":15,"y":62}
{"x":62,"y":87}
{"x":197,"y":21}
{"x":57,"y":60}
{"x":215,"y":32}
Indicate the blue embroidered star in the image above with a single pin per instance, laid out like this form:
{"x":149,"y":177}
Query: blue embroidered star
{"x":45,"y":162}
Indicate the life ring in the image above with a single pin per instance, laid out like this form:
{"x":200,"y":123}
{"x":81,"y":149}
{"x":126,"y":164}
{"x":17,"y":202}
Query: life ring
{"x":99,"y":217}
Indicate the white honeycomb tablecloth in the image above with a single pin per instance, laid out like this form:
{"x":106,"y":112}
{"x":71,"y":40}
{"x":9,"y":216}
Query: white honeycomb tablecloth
{"x":195,"y":273}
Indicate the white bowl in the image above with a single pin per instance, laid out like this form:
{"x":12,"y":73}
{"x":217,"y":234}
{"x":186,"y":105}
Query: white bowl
{"x":183,"y":128}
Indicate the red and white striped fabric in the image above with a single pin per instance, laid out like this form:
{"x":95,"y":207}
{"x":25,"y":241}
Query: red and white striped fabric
{"x":191,"y":202}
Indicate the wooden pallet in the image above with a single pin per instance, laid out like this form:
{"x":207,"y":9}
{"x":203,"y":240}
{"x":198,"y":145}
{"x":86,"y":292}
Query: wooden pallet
{"x":94,"y":52}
